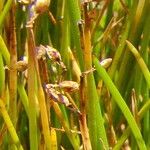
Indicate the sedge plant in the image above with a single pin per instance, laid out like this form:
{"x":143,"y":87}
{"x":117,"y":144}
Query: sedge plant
{"x":74,"y":75}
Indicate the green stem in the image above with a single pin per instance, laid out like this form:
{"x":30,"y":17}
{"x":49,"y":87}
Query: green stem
{"x":2,"y":75}
{"x":95,"y":119}
{"x":23,"y":97}
{"x":75,"y":16}
{"x":32,"y":94}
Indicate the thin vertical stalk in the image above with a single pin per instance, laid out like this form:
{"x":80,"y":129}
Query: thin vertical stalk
{"x":2,"y":75}
{"x":44,"y":112}
{"x":13,"y":71}
{"x":139,"y":12}
{"x":65,"y":36}
{"x":145,"y":54}
{"x":23,"y":96}
{"x":33,"y":129}
{"x":96,"y":122}
{"x":83,"y":100}
{"x":75,"y":16}
{"x":42,"y":76}
{"x":119,"y":51}
{"x":43,"y":108}
{"x":109,"y":12}
{"x":83,"y":119}
{"x":41,"y":96}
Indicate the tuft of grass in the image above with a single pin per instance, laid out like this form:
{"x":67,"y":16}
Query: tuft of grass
{"x":58,"y":87}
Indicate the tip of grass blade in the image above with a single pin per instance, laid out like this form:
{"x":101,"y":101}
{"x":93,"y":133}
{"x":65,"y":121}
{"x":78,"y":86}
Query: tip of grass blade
{"x":140,"y":61}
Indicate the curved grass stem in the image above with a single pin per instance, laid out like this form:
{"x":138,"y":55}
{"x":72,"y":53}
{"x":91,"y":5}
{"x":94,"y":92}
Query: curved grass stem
{"x":141,"y":62}
{"x":121,"y":103}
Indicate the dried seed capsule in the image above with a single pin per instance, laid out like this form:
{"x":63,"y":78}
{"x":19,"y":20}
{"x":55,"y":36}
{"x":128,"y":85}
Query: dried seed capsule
{"x":53,"y":54}
{"x":56,"y":95}
{"x":59,"y":97}
{"x":21,"y":65}
{"x":64,"y":100}
{"x":52,"y":93}
{"x":69,"y":86}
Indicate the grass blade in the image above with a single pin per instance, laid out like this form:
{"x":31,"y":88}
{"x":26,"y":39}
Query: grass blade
{"x":121,"y":103}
